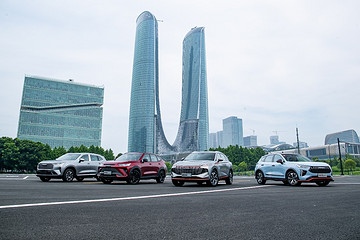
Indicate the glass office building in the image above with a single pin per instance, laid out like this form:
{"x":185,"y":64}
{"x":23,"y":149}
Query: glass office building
{"x":193,"y":133}
{"x":232,"y":132}
{"x":145,"y":128}
{"x":61,"y":113}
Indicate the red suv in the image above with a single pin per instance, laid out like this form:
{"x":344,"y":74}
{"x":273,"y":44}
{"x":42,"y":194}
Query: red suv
{"x":132,"y":167}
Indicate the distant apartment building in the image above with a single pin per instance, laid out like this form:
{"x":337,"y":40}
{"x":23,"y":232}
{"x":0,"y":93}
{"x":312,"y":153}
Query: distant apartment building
{"x":349,"y":136}
{"x":232,"y":132}
{"x":61,"y":113}
{"x":250,"y":141}
{"x":212,"y":140}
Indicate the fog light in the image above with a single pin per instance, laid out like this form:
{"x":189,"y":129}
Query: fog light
{"x":303,"y":172}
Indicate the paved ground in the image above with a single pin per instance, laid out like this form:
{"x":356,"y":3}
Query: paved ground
{"x":31,"y":209}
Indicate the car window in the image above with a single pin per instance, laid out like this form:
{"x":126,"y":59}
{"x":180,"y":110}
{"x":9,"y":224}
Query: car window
{"x":277,"y":157}
{"x":269,"y":158}
{"x":85,"y":157}
{"x":223,"y":157}
{"x":94,"y":158}
{"x":146,"y":158}
{"x":153,"y":158}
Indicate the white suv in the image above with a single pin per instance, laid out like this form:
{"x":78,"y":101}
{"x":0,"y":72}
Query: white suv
{"x":292,"y":169}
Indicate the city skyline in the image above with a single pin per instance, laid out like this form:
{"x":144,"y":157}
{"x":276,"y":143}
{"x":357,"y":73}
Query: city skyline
{"x":277,"y":65}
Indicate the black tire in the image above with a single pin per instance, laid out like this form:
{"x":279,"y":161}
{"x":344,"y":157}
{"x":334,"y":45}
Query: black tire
{"x":45,"y":179}
{"x":68,"y":175}
{"x":161,"y":177}
{"x":213,"y":178}
{"x":230,"y":179}
{"x":323,"y":183}
{"x":260,"y":178}
{"x":285,"y":182}
{"x":292,"y":178}
{"x":134,"y":177}
{"x":106,"y":181}
{"x":79,"y":179}
{"x":177,"y":183}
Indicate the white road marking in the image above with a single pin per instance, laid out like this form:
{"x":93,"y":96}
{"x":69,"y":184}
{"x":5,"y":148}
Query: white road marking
{"x":128,"y":198}
{"x":26,"y":177}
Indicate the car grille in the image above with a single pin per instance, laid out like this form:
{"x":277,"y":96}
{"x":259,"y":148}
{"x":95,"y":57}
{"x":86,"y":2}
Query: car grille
{"x":192,"y":170}
{"x":45,"y":166}
{"x":321,"y":169}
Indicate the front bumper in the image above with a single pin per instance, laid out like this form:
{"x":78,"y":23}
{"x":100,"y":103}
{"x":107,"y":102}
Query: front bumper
{"x":48,"y":173}
{"x":113,"y":173}
{"x":307,"y":176}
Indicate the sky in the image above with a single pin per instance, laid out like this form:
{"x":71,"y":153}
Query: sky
{"x":279,"y":65}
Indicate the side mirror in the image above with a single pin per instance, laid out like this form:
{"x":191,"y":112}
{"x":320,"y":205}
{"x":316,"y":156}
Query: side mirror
{"x":81,"y":160}
{"x":144,"y":160}
{"x":182,"y":158}
{"x":220,"y":160}
{"x":280,"y":161}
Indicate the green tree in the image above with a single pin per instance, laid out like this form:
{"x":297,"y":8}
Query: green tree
{"x":243,"y":166}
{"x":350,"y":164}
{"x":168,"y":166}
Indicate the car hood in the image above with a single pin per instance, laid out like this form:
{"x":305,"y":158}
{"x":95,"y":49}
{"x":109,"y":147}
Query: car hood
{"x":192,"y":163}
{"x":315,"y":164}
{"x":53,"y":161}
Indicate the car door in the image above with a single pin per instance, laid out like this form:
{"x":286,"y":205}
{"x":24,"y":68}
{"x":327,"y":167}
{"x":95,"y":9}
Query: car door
{"x":82,"y":165}
{"x":221,"y":165}
{"x":266,"y":165}
{"x":95,"y":162}
{"x":278,"y":169}
{"x":146,"y":165}
{"x":155,"y":164}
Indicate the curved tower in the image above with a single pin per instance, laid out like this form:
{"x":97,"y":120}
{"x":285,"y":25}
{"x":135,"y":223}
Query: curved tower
{"x":145,"y":128}
{"x":193,"y":130}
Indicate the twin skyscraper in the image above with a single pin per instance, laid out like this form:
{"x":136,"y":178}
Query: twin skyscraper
{"x":146,"y":133}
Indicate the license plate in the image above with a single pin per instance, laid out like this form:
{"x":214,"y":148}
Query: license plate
{"x":107,"y":172}
{"x":322,"y":175}
{"x":186,"y":175}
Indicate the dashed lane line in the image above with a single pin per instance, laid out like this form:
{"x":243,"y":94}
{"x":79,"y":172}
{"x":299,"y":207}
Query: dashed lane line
{"x":128,"y":198}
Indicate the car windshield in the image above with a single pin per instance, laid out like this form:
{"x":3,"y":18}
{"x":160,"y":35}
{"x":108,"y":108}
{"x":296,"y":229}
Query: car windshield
{"x":200,"y":156}
{"x":295,"y":158}
{"x":68,"y":156}
{"x":129,"y":157}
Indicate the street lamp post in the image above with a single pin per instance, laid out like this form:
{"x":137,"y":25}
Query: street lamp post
{"x":341,"y":166}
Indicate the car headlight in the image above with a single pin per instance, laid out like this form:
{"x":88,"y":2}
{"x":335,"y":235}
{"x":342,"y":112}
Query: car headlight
{"x":58,"y":164}
{"x":124,"y":164}
{"x":302,"y":166}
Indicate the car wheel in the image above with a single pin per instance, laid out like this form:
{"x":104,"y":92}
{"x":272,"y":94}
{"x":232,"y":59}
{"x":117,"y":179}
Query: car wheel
{"x":45,"y":179}
{"x":134,"y":177}
{"x":230,"y":179}
{"x":260,"y":178}
{"x":177,"y":183}
{"x":213,"y":179}
{"x":292,"y":178}
{"x":106,"y":181}
{"x":323,"y":183}
{"x":69,"y":175}
{"x":161,"y":177}
{"x":79,"y":179}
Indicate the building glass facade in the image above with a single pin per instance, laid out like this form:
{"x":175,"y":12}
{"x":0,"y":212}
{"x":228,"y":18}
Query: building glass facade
{"x":193,"y":131}
{"x":232,"y":132}
{"x":349,"y":136}
{"x":60,"y":113}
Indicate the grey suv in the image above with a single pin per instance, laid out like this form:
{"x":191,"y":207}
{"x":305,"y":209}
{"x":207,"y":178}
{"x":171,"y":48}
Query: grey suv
{"x":70,"y":166}
{"x":209,"y":167}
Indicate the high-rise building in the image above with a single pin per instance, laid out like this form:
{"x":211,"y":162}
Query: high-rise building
{"x":250,"y":141}
{"x":145,"y":128}
{"x":274,"y":140}
{"x":61,"y":113}
{"x":193,"y":133}
{"x":212,"y":140}
{"x":349,"y":136}
{"x":232,"y":131}
{"x":219,"y":137}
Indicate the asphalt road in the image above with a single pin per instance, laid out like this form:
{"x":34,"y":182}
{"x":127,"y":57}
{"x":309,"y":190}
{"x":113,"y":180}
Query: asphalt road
{"x":31,"y":209}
